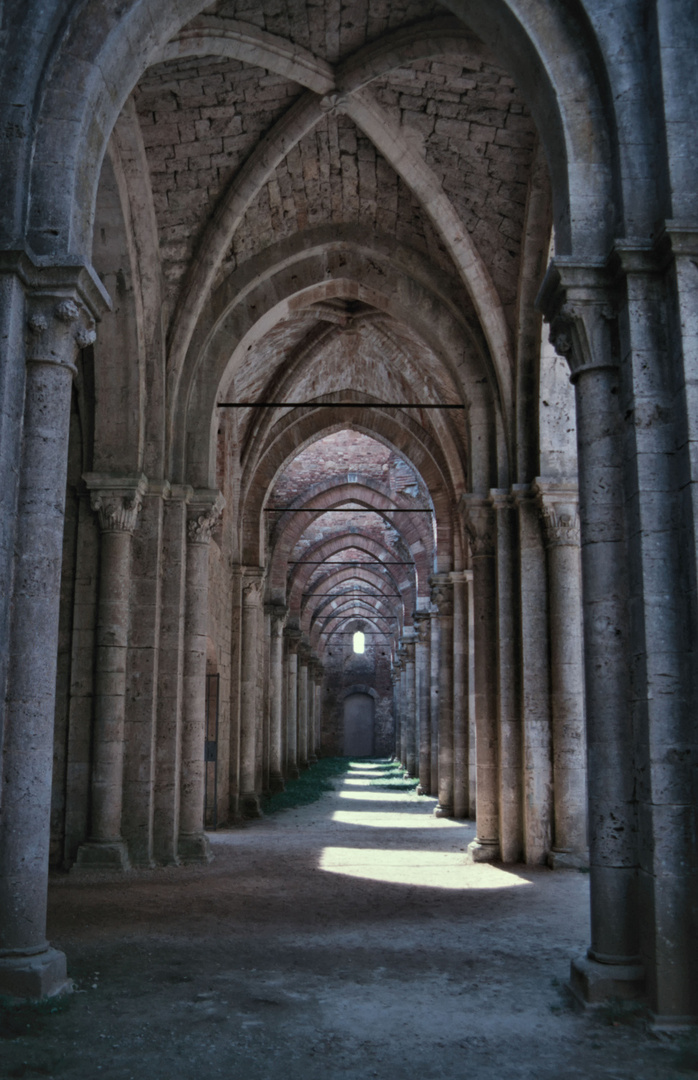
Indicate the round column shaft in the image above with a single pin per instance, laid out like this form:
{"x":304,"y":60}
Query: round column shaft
{"x":293,"y":638}
{"x":442,"y":598}
{"x":304,"y":655}
{"x":117,"y":504}
{"x":479,"y":523}
{"x":576,"y":300}
{"x":410,"y":711}
{"x":561,"y":522}
{"x":249,"y":691}
{"x":29,"y":967}
{"x":193,"y":845}
{"x":423,"y":678}
{"x":276,"y":696}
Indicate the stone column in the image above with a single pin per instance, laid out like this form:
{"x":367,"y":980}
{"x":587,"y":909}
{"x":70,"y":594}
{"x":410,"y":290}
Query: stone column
{"x":60,"y":322}
{"x":278,"y":615}
{"x":293,"y":640}
{"x":478,"y":518}
{"x":509,"y":679}
{"x":575,"y":298}
{"x":559,"y":509}
{"x":403,"y":703}
{"x":422,"y":622}
{"x":117,"y":501}
{"x":398,"y":677}
{"x":312,"y":704}
{"x":658,"y":328}
{"x":319,"y":676}
{"x":249,"y":691}
{"x":461,"y":733}
{"x":395,"y":674}
{"x":435,"y":657}
{"x":304,"y":659}
{"x":534,"y":668}
{"x":204,"y":512}
{"x":442,"y":598}
{"x":410,"y":707}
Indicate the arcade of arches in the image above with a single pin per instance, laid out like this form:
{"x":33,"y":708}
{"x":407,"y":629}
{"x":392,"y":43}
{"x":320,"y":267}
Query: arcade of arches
{"x":275,"y":276}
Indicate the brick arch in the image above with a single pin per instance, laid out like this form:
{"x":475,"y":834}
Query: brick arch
{"x":299,"y":581}
{"x":314,"y":266}
{"x":303,"y":358}
{"x":333,"y":546}
{"x":311,"y":607}
{"x":414,"y":533}
{"x":377,"y":493}
{"x":303,"y":426}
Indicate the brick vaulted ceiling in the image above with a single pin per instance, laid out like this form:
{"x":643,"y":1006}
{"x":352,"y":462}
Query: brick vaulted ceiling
{"x":384,"y":121}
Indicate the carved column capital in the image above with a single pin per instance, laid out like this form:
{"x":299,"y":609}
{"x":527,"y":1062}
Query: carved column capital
{"x":278,"y":614}
{"x":422,"y":625}
{"x":578,"y":300}
{"x":205,"y":509}
{"x":479,"y":524}
{"x":116,"y":500}
{"x":304,"y":653}
{"x":442,"y":593}
{"x":559,"y":509}
{"x":293,"y":638}
{"x":252,"y":586}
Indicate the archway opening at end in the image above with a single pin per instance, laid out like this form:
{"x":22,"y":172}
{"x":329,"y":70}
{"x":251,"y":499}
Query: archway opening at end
{"x":358,"y":725}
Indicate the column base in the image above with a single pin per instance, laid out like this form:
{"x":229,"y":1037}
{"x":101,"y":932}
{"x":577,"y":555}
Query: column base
{"x":194,"y":848}
{"x":421,"y":790}
{"x":593,"y":983}
{"x":40,"y":975}
{"x":249,"y":805}
{"x":276,"y":783}
{"x":312,"y":760}
{"x":443,"y":811}
{"x":102,"y":855}
{"x":483,"y":851}
{"x":293,"y":772}
{"x":672,"y":1024}
{"x":568,"y":860}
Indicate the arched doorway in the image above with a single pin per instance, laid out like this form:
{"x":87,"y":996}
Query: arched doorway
{"x":358,"y":725}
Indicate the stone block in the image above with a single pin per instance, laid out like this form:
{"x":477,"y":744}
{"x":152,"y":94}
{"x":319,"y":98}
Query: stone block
{"x":32,"y":978}
{"x":594,"y":984}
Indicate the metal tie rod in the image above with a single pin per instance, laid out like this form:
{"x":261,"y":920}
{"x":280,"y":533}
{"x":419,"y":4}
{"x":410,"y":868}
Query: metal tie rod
{"x":350,"y":510}
{"x":329,"y":405}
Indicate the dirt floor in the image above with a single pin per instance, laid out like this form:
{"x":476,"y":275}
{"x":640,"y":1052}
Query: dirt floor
{"x":348,"y":938}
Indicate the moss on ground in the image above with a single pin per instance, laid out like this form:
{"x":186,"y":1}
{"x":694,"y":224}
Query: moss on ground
{"x":310,"y":785}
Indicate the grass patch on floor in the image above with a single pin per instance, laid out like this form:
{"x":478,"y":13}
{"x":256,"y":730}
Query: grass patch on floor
{"x":392,"y":778}
{"x":310,"y":785}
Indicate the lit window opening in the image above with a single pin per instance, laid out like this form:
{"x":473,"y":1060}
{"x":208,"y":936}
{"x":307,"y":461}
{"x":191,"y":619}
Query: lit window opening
{"x":359,"y":642}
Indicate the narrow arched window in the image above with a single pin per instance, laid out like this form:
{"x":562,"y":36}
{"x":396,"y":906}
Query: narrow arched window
{"x":359,"y":642}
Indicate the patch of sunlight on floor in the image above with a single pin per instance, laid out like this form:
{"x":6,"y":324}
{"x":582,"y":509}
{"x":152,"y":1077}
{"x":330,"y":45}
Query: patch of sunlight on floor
{"x":376,"y":796}
{"x":405,"y":819}
{"x":432,"y":869}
